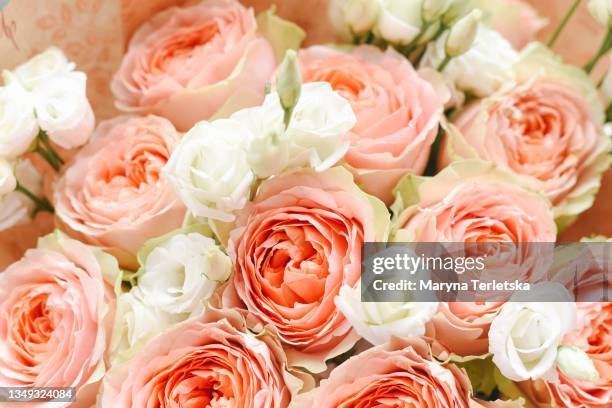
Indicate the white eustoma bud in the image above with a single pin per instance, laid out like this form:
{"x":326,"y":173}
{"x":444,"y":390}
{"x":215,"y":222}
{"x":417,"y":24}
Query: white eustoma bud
{"x":361,"y":15}
{"x":434,"y":9}
{"x":289,"y":81}
{"x":602,"y":11}
{"x":462,"y":34}
{"x":7,"y":178}
{"x":606,"y":86}
{"x":575,"y":363}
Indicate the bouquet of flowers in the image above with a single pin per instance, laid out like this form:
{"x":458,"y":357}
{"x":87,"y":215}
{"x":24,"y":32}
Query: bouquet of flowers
{"x":207,"y":243}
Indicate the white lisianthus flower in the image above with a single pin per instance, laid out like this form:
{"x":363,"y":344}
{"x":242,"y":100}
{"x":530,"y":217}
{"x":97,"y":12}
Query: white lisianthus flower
{"x":314,"y":138}
{"x":63,"y":110}
{"x":136,"y":323}
{"x":210,"y":171}
{"x":7,"y":178}
{"x":16,"y":207}
{"x":181,"y":273}
{"x":482,"y":69}
{"x":38,"y":69}
{"x":377,"y":322}
{"x":602,"y":11}
{"x":524,"y":336}
{"x":399,"y":21}
{"x":18,"y":126}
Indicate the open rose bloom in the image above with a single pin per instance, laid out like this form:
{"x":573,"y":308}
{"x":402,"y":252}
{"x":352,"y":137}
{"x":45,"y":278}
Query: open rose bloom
{"x":57,"y":311}
{"x":113,"y":193}
{"x":306,"y":203}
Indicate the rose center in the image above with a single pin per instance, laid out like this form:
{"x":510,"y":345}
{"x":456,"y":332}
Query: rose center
{"x":181,"y":46}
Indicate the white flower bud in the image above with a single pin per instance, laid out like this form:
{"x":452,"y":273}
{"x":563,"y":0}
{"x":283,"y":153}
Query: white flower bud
{"x":602,"y":11}
{"x":462,"y":34}
{"x":434,"y":9}
{"x":289,"y":81}
{"x":361,"y":15}
{"x":606,"y":86}
{"x":576,"y":364}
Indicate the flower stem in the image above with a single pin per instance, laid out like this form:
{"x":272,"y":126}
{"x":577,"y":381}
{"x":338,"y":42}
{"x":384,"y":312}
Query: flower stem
{"x":42,"y":204}
{"x":603,"y":49}
{"x":563,"y":23}
{"x":444,"y":63}
{"x":47,"y":152}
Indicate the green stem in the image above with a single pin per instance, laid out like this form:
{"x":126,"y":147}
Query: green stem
{"x":45,"y":139}
{"x":49,"y":158}
{"x":42,"y":204}
{"x":563,"y":23}
{"x":444,"y":63}
{"x":603,"y":49}
{"x":47,"y":152}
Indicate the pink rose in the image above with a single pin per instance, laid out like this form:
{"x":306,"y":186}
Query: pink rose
{"x":474,"y":202}
{"x":188,"y":64}
{"x":209,"y":361}
{"x":57,"y":306}
{"x":293,"y":248}
{"x":397,"y":112}
{"x":113,"y":193}
{"x":548,"y":130}
{"x":399,"y":373}
{"x":470,"y":201}
{"x":463,"y":327}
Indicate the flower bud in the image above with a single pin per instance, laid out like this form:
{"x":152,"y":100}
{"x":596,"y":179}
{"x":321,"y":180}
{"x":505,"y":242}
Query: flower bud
{"x":606,"y":86}
{"x":289,"y":81}
{"x":434,"y":9}
{"x":576,"y":364}
{"x":602,"y":11}
{"x":361,"y":15}
{"x":7,"y":178}
{"x":462,"y":34}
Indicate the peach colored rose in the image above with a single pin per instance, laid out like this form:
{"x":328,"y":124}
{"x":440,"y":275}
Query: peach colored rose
{"x":463,"y":327}
{"x":397,"y":112}
{"x":57,"y":306}
{"x":399,"y":373}
{"x":113,"y":193}
{"x":486,"y":210}
{"x":208,"y":361}
{"x":293,"y":248}
{"x":470,"y":201}
{"x":188,"y":64}
{"x":548,"y":130}
{"x":516,"y":20}
{"x":594,"y":336}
